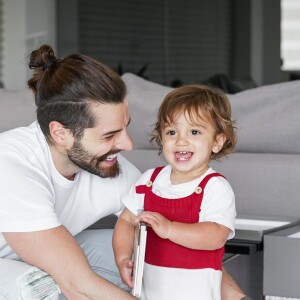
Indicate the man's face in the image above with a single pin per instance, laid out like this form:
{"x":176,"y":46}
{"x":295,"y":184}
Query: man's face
{"x":96,"y":152}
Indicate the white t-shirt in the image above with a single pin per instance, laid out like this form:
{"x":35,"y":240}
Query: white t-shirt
{"x":218,"y":205}
{"x":35,"y":196}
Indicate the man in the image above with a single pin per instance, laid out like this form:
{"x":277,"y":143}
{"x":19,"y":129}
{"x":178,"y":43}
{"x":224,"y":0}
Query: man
{"x":60,"y":175}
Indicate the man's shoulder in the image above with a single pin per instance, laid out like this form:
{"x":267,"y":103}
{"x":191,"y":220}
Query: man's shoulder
{"x":19,"y":134}
{"x":21,"y":142}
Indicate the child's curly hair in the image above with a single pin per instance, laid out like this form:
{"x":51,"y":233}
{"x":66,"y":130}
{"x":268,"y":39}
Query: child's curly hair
{"x":198,"y":101}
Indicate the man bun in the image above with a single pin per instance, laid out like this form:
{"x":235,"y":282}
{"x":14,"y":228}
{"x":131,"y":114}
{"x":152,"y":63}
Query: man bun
{"x":42,"y":58}
{"x":40,"y":61}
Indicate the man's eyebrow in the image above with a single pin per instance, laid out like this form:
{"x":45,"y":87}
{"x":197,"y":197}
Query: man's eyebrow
{"x":115,"y":131}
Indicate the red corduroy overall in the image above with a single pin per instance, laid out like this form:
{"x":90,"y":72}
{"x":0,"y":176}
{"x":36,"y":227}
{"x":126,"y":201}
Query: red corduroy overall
{"x":163,"y":252}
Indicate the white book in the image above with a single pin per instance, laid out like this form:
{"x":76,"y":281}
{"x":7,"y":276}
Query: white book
{"x":140,"y":238}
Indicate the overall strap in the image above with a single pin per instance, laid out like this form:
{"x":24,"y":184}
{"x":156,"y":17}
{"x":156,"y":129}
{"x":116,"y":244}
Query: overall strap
{"x":155,"y":173}
{"x":204,"y":181}
{"x":141,"y":189}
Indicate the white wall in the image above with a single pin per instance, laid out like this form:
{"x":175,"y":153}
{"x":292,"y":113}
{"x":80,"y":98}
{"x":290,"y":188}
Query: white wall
{"x":26,"y":25}
{"x":256,"y":42}
{"x":13,"y":43}
{"x":29,"y":23}
{"x":257,"y":46}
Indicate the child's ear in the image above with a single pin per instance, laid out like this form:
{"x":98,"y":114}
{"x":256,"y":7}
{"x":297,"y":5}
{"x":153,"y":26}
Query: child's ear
{"x":219,"y":142}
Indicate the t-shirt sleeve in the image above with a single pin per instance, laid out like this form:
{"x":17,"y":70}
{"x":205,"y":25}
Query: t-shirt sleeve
{"x":218,"y":204}
{"x":134,"y":201}
{"x":129,"y":176}
{"x":26,"y":197}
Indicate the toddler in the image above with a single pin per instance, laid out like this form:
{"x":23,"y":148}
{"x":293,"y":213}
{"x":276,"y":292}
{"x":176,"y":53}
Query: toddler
{"x":188,"y":207}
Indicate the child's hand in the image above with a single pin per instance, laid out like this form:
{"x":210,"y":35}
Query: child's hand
{"x":126,"y":268}
{"x":160,"y":224}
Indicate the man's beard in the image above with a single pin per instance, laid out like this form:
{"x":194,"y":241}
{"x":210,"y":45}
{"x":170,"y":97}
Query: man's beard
{"x":92,"y":164}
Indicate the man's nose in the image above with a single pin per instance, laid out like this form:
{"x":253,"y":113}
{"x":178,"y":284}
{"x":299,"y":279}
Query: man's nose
{"x":124,"y":142}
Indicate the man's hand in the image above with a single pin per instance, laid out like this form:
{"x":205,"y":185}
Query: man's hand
{"x":160,"y":224}
{"x":229,"y":288}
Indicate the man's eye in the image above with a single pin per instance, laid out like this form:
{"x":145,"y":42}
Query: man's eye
{"x":195,"y":132}
{"x":109,"y":137}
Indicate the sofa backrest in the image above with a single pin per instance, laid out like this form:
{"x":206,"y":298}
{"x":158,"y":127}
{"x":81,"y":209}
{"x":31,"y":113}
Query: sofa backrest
{"x":267,"y":118}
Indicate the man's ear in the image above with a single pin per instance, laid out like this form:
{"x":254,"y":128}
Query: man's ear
{"x":219,"y":142}
{"x":60,"y":135}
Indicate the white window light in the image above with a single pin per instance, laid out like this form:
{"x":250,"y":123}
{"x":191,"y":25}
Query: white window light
{"x":290,"y":35}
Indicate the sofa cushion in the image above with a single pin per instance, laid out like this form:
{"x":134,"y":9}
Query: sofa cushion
{"x":263,"y":183}
{"x":267,"y":117}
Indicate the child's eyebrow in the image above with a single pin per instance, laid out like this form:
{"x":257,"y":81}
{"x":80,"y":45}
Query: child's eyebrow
{"x":199,"y":122}
{"x":203,"y":125}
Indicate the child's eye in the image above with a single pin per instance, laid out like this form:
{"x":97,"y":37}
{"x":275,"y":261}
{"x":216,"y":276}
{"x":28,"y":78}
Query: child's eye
{"x":170,"y":132}
{"x":195,"y":132}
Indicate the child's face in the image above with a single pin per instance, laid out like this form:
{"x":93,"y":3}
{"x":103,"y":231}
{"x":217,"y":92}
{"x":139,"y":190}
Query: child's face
{"x":188,"y":146}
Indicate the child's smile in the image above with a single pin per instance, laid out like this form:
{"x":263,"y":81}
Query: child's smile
{"x":183,"y":155}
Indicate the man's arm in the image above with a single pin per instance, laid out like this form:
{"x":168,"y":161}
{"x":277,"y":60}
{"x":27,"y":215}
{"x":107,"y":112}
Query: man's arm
{"x":229,"y":289}
{"x":56,"y":252}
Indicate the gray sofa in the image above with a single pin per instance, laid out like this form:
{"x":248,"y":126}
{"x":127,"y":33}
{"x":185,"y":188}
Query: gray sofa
{"x":264,"y":172}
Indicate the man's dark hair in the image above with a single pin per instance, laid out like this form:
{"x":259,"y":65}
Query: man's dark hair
{"x":65,"y":88}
